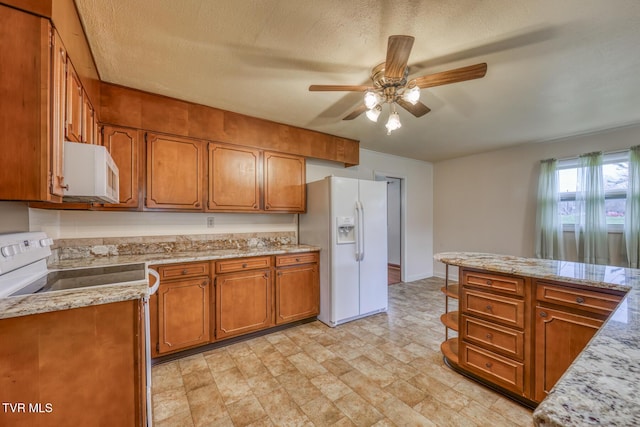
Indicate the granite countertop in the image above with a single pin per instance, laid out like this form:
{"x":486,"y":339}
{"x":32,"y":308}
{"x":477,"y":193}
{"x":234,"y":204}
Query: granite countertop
{"x":602,"y":385}
{"x":93,"y":295}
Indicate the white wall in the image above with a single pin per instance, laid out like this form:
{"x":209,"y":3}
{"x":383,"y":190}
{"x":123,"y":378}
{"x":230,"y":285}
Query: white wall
{"x":14,"y":216}
{"x":417,"y":201}
{"x":487,"y":202}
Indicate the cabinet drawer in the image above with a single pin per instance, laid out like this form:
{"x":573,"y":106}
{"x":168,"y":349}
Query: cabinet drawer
{"x":191,"y":269}
{"x":241,"y":264}
{"x":582,"y":299}
{"x":294,"y":259}
{"x":506,"y":341}
{"x":496,"y":282}
{"x":493,"y":367}
{"x":505,"y":310}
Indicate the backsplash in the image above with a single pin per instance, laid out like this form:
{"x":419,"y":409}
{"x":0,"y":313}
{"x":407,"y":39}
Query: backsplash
{"x":65,"y":249}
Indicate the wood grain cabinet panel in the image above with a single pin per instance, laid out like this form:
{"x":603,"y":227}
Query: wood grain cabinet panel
{"x":88,"y":119}
{"x":85,"y":362}
{"x":234,"y":178}
{"x":124,"y":146}
{"x":74,"y":103}
{"x":175,"y":173}
{"x":58,"y":93}
{"x":284,"y":183}
{"x":243,"y":303}
{"x":499,"y":370}
{"x":504,"y":310}
{"x":183,"y":314}
{"x":297,"y":293}
{"x":560,"y":337}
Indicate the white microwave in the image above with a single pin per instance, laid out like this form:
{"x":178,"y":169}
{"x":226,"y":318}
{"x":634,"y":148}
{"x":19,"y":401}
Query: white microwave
{"x":90,"y":174}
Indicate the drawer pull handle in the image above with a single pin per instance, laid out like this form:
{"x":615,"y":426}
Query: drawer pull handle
{"x":185,"y":271}
{"x":297,"y":259}
{"x":488,"y":364}
{"x":580,"y":300}
{"x":489,"y":282}
{"x":244,"y":265}
{"x":489,"y":307}
{"x":489,"y":336}
{"x":543,"y":314}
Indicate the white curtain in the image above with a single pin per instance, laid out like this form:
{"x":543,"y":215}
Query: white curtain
{"x":548,"y":225}
{"x":632,"y":214}
{"x":591,"y":223}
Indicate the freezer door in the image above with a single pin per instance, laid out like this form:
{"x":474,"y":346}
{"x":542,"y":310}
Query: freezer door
{"x":345,"y":292}
{"x":373,"y":235}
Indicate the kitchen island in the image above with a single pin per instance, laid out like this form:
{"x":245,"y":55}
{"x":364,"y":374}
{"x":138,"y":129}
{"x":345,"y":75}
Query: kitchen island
{"x":602,"y":385}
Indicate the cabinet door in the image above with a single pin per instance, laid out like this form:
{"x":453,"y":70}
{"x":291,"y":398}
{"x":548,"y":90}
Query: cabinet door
{"x":87,"y":134}
{"x":560,"y":337}
{"x":297,"y":293}
{"x":183,"y":314}
{"x":243,"y":303}
{"x":234,"y":183}
{"x":59,"y":90}
{"x":284,"y":183}
{"x":175,"y":173}
{"x":124,"y":146}
{"x":74,"y":101}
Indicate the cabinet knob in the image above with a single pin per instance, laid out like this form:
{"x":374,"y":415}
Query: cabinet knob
{"x":488,"y":364}
{"x":185,"y":271}
{"x":543,"y":314}
{"x":580,"y":300}
{"x":297,"y":259}
{"x":489,"y":307}
{"x":489,"y":282}
{"x":489,"y":336}
{"x":66,"y":187}
{"x":244,"y":265}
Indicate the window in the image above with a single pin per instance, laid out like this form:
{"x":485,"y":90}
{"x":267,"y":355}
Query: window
{"x":615,"y":169}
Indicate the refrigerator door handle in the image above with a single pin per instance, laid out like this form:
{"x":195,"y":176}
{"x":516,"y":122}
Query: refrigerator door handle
{"x":361,"y":230}
{"x":357,"y":231}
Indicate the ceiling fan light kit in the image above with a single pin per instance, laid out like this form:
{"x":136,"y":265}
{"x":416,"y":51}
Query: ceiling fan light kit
{"x":390,"y":84}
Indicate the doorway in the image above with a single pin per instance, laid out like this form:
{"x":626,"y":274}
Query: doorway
{"x":394,"y":227}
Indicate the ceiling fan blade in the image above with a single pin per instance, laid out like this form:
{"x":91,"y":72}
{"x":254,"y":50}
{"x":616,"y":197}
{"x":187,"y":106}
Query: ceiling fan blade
{"x":398,"y":50}
{"x":355,"y":113}
{"x":356,"y":88}
{"x":417,"y":110}
{"x":452,"y":76}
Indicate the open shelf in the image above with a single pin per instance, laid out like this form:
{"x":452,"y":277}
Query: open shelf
{"x":450,"y":320}
{"x":449,"y":349}
{"x":451,"y":291}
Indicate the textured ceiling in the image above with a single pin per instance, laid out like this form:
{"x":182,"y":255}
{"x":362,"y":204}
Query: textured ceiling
{"x":555,"y":68}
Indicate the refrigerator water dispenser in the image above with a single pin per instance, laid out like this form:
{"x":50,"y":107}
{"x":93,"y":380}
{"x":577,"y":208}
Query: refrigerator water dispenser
{"x":346,"y":229}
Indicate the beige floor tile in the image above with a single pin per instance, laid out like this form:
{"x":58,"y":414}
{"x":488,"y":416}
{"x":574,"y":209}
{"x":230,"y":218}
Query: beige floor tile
{"x":382,"y":370}
{"x":359,"y":411}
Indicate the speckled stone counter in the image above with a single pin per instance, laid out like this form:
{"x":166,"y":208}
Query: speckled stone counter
{"x":602,"y":386}
{"x":61,"y":300}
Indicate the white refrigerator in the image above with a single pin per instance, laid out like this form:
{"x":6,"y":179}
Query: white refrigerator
{"x":347,"y":218}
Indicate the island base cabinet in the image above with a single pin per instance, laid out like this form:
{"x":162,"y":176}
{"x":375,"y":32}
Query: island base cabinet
{"x":297,"y":293}
{"x":77,"y":367}
{"x":560,"y":337}
{"x":243,"y":303}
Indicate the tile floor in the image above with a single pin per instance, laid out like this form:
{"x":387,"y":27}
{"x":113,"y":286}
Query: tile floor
{"x":384,"y":370}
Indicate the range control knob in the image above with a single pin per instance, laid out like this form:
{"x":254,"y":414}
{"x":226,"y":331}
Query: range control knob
{"x":46,"y":242}
{"x":9,"y":251}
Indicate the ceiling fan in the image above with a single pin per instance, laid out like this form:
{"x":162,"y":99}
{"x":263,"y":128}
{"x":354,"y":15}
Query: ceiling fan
{"x":390,"y":84}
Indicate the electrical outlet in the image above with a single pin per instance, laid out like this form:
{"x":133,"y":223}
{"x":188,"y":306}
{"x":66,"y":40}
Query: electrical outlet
{"x":210,"y":222}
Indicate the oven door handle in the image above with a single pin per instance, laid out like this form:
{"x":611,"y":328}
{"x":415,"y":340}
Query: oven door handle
{"x":156,"y":285}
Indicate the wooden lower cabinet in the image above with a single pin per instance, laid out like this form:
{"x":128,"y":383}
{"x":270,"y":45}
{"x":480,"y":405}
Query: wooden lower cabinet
{"x":243,"y":302}
{"x":560,"y":337}
{"x":180,"y":309}
{"x":77,"y":367}
{"x":297,"y":288}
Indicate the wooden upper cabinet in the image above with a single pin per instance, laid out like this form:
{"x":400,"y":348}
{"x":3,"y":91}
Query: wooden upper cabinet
{"x":74,"y":103}
{"x":234,"y":178}
{"x":58,"y":95}
{"x":284,"y":182}
{"x":175,"y":173}
{"x":124,"y":146}
{"x":88,"y":114}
